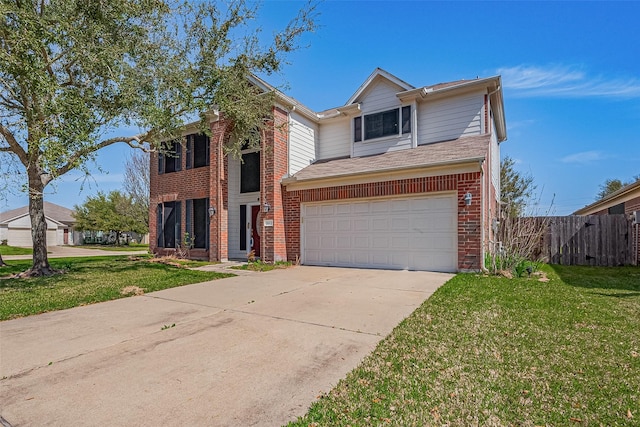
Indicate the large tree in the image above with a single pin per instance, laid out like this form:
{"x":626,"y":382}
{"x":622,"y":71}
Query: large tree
{"x":73,"y":72}
{"x":516,"y":188}
{"x":112,"y":213}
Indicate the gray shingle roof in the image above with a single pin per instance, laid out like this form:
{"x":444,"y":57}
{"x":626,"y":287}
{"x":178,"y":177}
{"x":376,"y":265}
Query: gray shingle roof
{"x":51,"y":210}
{"x":448,"y":152}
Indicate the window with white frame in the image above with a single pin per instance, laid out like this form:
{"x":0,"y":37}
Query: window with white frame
{"x":385,"y":123}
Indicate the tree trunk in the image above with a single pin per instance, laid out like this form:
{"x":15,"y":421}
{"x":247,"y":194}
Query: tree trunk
{"x":40,"y":265}
{"x":2,"y":263}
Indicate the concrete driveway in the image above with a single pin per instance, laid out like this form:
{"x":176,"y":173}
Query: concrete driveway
{"x":253,"y":350}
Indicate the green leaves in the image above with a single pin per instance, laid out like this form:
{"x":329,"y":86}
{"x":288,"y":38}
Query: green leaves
{"x":74,"y":72}
{"x":113,"y":212}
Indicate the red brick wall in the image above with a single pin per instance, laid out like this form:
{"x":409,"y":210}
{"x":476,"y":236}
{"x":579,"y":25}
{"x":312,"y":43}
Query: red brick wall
{"x":219,"y":190}
{"x":174,"y":186}
{"x":469,"y":217}
{"x":275,"y":166}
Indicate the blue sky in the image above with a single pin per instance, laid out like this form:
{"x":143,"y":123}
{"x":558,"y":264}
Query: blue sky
{"x":570,"y":70}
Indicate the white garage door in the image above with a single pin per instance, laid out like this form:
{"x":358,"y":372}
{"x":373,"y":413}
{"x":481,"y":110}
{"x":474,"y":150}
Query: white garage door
{"x":402,"y":233}
{"x":22,"y":237}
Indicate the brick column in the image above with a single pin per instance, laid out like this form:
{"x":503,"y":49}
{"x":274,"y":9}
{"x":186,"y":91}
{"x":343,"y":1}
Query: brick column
{"x":274,"y":167}
{"x":218,"y":194}
{"x":469,"y":223}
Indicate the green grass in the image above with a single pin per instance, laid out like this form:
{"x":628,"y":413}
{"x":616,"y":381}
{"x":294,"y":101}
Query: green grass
{"x":14,"y":250}
{"x":88,"y":280}
{"x":492,"y":351}
{"x":263,"y":266}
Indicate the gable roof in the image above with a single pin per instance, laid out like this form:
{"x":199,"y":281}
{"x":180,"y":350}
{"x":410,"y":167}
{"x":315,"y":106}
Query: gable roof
{"x":378,"y":73}
{"x":493,"y":85}
{"x":462,"y":150}
{"x":625,"y":193}
{"x":52,"y":211}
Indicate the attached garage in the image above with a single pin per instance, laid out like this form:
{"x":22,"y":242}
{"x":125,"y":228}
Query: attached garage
{"x":407,"y":233}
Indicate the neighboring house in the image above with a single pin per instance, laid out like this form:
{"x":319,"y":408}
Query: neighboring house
{"x":15,"y":226}
{"x":624,"y":201}
{"x":400,"y":177}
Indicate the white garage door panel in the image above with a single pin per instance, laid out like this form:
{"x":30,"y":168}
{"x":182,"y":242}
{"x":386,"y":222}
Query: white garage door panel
{"x":402,"y":233}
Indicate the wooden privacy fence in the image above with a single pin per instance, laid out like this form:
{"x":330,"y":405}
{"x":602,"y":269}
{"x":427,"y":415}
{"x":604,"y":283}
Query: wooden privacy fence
{"x":599,"y":240}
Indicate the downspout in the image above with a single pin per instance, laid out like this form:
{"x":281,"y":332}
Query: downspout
{"x":483,"y":268}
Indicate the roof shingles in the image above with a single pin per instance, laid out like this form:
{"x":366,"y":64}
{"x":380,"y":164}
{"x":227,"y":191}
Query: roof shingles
{"x":455,"y":151}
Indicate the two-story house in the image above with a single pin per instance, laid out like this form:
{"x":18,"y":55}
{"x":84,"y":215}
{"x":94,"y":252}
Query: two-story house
{"x":400,"y":177}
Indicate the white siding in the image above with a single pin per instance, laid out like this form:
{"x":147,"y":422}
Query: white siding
{"x":382,"y":145}
{"x":495,"y":160}
{"x":302,"y":142}
{"x":4,"y":232}
{"x":235,"y":200}
{"x":450,"y":118}
{"x":379,"y":97}
{"x":334,"y":139}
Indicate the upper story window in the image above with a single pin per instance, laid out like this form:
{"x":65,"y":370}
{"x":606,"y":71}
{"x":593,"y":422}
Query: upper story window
{"x":171,"y":159}
{"x":250,"y":172}
{"x":197,"y":150}
{"x":385,"y":123}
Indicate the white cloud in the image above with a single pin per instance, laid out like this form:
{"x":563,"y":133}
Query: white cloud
{"x":583,"y":157}
{"x":565,"y":81}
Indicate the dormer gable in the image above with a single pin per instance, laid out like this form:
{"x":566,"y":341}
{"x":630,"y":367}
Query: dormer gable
{"x":377,"y":77}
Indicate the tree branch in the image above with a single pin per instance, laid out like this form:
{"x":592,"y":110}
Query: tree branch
{"x":14,"y":145}
{"x":136,"y":141}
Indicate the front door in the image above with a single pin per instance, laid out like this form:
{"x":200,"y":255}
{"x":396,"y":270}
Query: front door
{"x":255,"y":230}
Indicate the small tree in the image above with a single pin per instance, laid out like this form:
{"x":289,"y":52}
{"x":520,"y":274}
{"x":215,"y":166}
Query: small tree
{"x":515,"y":188}
{"x":114,"y":213}
{"x":136,"y":184}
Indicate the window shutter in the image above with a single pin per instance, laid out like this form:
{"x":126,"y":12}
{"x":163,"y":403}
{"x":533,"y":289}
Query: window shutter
{"x":178,"y":147}
{"x":206,"y":244}
{"x":357,"y":129}
{"x":189,"y":161}
{"x":178,"y":211}
{"x":160,"y":163}
{"x":208,"y":153}
{"x":406,"y":119}
{"x":243,"y":227}
{"x":159,"y":226}
{"x":188,"y":214}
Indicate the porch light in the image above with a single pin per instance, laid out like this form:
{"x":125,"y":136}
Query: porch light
{"x":267,"y":207}
{"x":467,"y":199}
{"x":212,"y":211}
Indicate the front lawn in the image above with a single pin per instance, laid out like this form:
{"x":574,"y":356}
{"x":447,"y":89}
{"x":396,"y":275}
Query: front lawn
{"x":87,"y":281}
{"x":14,"y":250}
{"x":493,"y":351}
